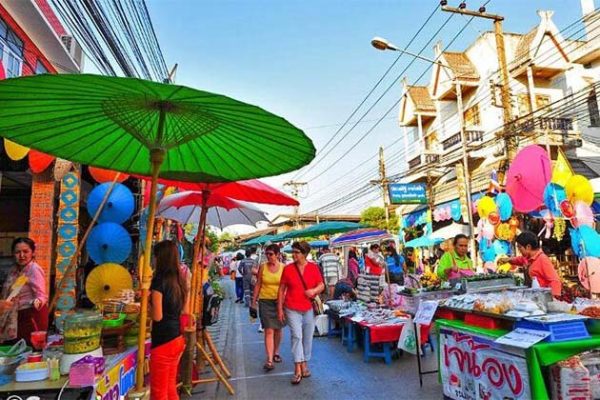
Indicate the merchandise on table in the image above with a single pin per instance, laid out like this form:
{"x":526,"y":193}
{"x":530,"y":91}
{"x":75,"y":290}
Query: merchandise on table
{"x":82,"y":332}
{"x":368,"y":287}
{"x":570,"y":380}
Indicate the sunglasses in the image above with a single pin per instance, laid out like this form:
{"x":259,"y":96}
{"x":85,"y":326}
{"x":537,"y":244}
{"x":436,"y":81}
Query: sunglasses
{"x":270,"y":253}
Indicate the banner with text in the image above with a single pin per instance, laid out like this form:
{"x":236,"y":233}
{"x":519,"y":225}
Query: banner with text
{"x":476,"y":368}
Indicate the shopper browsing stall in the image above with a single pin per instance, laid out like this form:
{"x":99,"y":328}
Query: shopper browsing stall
{"x":456,"y":263}
{"x":538,"y":265}
{"x":265,"y":294}
{"x":23,"y":310}
{"x":332,"y":269}
{"x":168,"y":300}
{"x":301,"y":282}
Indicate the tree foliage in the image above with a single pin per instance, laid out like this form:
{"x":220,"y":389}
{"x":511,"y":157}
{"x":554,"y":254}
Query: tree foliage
{"x":375,"y":217}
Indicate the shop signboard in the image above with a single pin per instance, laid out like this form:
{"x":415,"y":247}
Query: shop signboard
{"x":407,"y":193}
{"x":118,"y":380}
{"x":476,"y":368}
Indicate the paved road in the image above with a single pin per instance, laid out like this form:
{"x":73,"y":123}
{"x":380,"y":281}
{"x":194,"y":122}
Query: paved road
{"x":336,"y":373}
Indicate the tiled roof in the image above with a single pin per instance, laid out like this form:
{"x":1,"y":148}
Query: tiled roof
{"x":522,"y":52}
{"x":461,"y":65}
{"x":420,"y":97}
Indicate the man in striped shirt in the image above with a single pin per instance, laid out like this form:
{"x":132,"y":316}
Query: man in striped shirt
{"x":332,"y":269}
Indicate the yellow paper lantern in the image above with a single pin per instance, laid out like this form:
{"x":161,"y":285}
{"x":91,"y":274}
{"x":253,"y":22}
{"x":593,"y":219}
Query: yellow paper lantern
{"x":485,"y":206}
{"x":579,"y":188}
{"x":15,"y":151}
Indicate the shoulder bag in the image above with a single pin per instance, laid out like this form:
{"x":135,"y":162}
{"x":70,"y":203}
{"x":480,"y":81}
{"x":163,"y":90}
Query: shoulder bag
{"x":317,"y":303}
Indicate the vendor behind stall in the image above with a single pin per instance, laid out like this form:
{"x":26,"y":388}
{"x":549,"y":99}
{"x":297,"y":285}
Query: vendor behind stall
{"x":538,"y":264}
{"x":28,"y":310}
{"x":456,"y":263}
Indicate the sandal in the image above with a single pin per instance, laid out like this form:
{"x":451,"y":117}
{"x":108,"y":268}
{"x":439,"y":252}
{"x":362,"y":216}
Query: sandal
{"x":268,"y":366}
{"x":297,"y":379}
{"x":306,"y":374}
{"x":277,"y":358}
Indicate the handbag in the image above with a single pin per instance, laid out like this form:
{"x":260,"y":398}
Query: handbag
{"x":317,"y":303}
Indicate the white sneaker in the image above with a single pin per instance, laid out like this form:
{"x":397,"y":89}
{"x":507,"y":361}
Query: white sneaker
{"x":260,"y":329}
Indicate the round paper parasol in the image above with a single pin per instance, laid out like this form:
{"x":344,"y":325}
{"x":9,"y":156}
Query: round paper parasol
{"x":106,"y":281}
{"x":185,"y":207}
{"x":119,"y":206}
{"x":108,"y":242}
{"x":553,"y":196}
{"x":527,"y":177}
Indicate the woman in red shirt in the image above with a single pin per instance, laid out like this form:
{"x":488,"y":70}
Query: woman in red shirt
{"x":300,"y":282}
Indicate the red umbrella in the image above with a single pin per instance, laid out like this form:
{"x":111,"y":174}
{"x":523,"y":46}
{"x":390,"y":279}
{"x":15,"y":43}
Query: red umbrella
{"x":252,"y":190}
{"x":527,"y":177}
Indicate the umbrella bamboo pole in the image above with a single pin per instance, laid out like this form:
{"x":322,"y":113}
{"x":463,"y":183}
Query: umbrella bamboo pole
{"x":75,"y":257}
{"x":157,"y":156}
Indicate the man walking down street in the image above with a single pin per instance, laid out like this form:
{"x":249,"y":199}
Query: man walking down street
{"x":332,"y":270}
{"x":248,"y":267}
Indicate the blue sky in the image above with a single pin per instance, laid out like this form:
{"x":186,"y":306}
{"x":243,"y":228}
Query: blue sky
{"x":311,"y":62}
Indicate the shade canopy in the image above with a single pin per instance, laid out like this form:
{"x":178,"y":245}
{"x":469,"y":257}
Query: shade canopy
{"x":259,"y":240}
{"x":424,"y":241}
{"x":318,"y":244}
{"x":185,"y":207}
{"x":361,"y":236}
{"x":324,"y":228}
{"x":114,"y":123}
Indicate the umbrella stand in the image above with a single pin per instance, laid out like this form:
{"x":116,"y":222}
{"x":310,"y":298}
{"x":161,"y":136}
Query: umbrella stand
{"x":75,"y":257}
{"x":157,"y":156}
{"x":197,"y":303}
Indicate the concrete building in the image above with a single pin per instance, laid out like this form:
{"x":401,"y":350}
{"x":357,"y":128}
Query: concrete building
{"x":553,"y":78}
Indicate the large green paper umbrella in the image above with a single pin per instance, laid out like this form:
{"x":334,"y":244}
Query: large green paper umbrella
{"x":148,"y":128}
{"x":114,"y":123}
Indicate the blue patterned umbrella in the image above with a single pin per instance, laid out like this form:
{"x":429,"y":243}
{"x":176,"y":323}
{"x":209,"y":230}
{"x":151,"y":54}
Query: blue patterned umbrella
{"x":119,"y":205}
{"x":108,"y":243}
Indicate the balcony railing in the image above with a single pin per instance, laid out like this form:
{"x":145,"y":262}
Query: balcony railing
{"x":472,"y":136}
{"x":543,"y":123}
{"x":426,"y":158}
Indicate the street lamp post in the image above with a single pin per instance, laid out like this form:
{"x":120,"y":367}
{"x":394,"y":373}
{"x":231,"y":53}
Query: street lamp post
{"x":382,"y":44}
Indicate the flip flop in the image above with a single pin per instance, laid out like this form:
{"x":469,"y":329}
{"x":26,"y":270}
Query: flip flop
{"x":277,"y":358}
{"x":297,"y":379}
{"x":306,"y":374}
{"x":268,"y":366}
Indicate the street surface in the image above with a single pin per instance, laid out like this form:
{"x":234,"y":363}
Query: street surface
{"x":335,"y":372}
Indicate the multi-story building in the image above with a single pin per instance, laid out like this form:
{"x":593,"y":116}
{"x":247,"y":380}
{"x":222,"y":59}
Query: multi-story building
{"x":32,"y":41}
{"x":553,"y":77}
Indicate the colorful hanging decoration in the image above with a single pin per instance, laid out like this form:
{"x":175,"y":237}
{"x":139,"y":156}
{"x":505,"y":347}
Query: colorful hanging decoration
{"x":38,"y":161}
{"x":505,"y":206}
{"x":589,"y":273}
{"x":66,"y":243}
{"x":504,"y":232}
{"x":579,"y":188}
{"x":494,"y":218}
{"x":104,"y":175}
{"x":583,"y":215}
{"x":15,"y":151}
{"x":527,"y":177}
{"x":560,"y":227}
{"x":562,"y":171}
{"x":553,"y":196}
{"x":567,"y":209}
{"x":485,"y":206}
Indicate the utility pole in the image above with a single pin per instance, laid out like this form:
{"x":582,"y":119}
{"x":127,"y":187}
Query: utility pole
{"x":382,"y":182}
{"x":511,"y":144}
{"x":295,"y":185}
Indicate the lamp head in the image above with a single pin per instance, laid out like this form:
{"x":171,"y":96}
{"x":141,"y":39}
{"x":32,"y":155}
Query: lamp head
{"x":381,"y":44}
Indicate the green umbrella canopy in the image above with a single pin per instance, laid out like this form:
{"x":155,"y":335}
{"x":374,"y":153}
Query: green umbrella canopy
{"x":113,"y":123}
{"x":258,"y":240}
{"x":324,"y":228}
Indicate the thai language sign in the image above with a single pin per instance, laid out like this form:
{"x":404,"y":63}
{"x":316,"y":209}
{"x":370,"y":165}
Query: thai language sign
{"x":476,"y":368}
{"x":408,"y":193}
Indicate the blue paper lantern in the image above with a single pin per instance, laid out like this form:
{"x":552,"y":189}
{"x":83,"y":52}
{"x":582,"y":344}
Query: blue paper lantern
{"x":487,"y":251}
{"x":505,"y":206}
{"x":456,"y":210}
{"x":590,"y":240}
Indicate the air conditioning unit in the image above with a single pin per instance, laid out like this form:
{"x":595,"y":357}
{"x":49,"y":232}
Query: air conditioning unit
{"x":73,"y":48}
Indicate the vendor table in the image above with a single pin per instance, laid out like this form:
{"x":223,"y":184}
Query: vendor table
{"x":118,"y":379}
{"x":384,"y":335}
{"x":472,"y":365}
